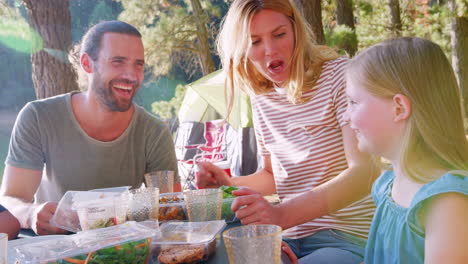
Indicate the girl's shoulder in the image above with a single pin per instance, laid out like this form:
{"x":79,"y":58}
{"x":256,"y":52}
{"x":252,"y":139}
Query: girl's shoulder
{"x":454,"y":181}
{"x":451,"y":182}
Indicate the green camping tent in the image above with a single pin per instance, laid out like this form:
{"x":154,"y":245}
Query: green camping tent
{"x":205,"y":97}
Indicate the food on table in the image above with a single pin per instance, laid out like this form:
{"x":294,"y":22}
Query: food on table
{"x":100,"y":213}
{"x":227,"y":191}
{"x":136,"y":252}
{"x":101,"y":223}
{"x":171,"y":207}
{"x":129,"y":242}
{"x":176,"y":254}
{"x":186,"y":242}
{"x":182,"y":254}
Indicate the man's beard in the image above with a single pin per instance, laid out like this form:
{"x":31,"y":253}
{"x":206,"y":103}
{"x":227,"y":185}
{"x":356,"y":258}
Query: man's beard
{"x":106,"y":96}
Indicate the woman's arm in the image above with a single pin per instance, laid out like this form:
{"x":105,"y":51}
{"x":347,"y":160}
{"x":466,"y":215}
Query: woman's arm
{"x":446,"y":224}
{"x":349,"y":186}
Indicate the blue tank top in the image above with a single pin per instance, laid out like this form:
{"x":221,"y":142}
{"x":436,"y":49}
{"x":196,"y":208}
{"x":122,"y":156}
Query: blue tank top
{"x":396,"y":235}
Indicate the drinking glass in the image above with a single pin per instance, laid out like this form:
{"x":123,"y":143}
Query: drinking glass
{"x":164,"y":180}
{"x":143,"y":204}
{"x":252,"y":244}
{"x":203,"y":204}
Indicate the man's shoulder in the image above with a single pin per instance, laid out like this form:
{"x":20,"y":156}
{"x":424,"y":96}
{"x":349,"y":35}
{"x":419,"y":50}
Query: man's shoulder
{"x":145,"y":118}
{"x":50,"y":106}
{"x":54,"y":101}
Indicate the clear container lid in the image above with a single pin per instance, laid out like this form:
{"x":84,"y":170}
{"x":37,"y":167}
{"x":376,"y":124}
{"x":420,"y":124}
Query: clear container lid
{"x":66,"y":216}
{"x":82,"y":243}
{"x":189,"y":232}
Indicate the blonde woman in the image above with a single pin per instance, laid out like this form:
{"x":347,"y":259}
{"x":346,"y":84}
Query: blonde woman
{"x":310,"y":157}
{"x":405,"y":106}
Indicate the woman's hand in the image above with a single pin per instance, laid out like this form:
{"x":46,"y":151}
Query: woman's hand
{"x":252,"y":208}
{"x":210,"y":176}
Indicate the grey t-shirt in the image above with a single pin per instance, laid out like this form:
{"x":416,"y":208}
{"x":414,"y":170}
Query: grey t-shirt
{"x":47,"y":132}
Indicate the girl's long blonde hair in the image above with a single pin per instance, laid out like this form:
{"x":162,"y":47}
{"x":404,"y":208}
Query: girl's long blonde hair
{"x":234,"y":43}
{"x":418,"y":69}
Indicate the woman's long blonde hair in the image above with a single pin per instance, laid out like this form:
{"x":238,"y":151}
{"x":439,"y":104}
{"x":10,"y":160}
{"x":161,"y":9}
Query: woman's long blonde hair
{"x":418,"y":69}
{"x":234,"y":43}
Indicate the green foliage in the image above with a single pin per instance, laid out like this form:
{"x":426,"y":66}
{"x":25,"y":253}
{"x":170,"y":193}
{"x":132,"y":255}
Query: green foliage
{"x":170,"y":31}
{"x":162,"y":89}
{"x":462,"y":8}
{"x":340,"y":36}
{"x":418,"y":19}
{"x":170,"y":38}
{"x":85,"y":13}
{"x":168,"y":110}
{"x":102,"y":11}
{"x":16,"y":33}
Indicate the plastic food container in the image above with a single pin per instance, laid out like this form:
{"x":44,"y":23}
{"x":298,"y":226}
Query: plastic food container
{"x":66,"y":215}
{"x":126,"y":243}
{"x":172,"y":207}
{"x":186,"y":242}
{"x":101,"y":213}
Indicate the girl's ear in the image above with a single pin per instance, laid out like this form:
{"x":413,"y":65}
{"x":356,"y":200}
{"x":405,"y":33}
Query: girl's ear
{"x":401,"y":107}
{"x":86,"y":63}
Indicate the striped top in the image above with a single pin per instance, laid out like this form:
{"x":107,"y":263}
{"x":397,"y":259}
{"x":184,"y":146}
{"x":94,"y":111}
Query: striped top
{"x":305,"y":144}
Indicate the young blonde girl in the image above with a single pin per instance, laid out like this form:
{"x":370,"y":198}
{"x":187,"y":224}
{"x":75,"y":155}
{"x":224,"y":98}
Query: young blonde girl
{"x":404,"y":105}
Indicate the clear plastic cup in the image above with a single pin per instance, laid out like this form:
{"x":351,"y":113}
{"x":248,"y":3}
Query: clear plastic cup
{"x":252,"y":244}
{"x":203,"y":204}
{"x":143,"y":204}
{"x":164,"y":180}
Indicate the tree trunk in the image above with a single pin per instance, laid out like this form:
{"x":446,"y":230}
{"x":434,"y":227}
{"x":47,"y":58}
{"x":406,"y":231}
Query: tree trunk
{"x":459,"y":39}
{"x":344,"y":16}
{"x":312,"y":10}
{"x":203,"y":39}
{"x":395,"y":18}
{"x":52,"y":73}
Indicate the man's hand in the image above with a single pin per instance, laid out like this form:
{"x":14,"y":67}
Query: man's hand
{"x":41,"y":219}
{"x":210,"y":176}
{"x":252,"y":208}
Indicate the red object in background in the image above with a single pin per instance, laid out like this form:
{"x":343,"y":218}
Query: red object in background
{"x":214,"y":150}
{"x":225,"y":165}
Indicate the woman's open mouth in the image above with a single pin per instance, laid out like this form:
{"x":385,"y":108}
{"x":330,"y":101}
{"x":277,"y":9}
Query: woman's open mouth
{"x":276,"y":66}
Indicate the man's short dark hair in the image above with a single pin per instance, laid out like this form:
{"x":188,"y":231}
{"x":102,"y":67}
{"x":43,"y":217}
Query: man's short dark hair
{"x":91,"y":42}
